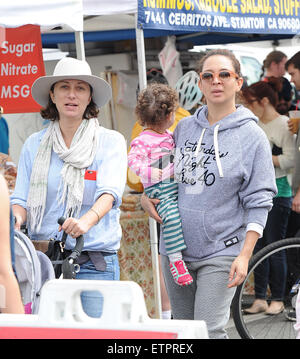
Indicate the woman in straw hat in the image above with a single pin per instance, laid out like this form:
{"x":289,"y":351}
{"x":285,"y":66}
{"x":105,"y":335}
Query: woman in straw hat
{"x":75,"y":169}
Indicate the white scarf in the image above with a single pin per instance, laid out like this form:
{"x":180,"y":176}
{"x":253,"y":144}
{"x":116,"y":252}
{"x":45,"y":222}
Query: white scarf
{"x":76,"y":159}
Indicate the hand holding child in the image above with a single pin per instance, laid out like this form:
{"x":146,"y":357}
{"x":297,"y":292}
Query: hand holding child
{"x":156,"y":175}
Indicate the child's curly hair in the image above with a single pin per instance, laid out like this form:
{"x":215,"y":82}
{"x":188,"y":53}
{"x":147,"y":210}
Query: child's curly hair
{"x":154,"y":103}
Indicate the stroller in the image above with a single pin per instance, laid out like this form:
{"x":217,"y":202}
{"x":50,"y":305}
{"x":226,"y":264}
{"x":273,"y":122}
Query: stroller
{"x":32,"y":268}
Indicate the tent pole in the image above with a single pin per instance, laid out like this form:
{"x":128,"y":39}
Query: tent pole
{"x":79,"y":43}
{"x":155,"y":266}
{"x":141,"y":59}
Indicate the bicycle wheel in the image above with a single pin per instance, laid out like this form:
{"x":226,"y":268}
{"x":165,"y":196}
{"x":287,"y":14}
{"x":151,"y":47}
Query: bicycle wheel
{"x":260,"y":325}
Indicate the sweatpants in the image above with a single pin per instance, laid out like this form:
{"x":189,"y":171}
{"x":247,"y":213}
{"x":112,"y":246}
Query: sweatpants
{"x":207,"y":298}
{"x":167,"y":193}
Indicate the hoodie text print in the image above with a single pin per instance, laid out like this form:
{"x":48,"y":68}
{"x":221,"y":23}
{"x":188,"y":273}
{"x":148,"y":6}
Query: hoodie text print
{"x":194,"y":163}
{"x":225,"y":178}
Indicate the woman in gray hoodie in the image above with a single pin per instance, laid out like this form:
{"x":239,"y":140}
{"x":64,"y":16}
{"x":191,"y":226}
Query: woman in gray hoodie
{"x":226,"y":184}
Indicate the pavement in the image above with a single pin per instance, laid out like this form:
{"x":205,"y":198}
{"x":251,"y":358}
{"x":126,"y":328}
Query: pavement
{"x":263,"y":326}
{"x":231,"y":330}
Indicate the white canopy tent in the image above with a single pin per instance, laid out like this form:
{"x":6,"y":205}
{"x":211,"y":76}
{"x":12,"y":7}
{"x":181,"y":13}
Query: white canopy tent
{"x":108,"y":7}
{"x":69,"y":15}
{"x":46,"y":13}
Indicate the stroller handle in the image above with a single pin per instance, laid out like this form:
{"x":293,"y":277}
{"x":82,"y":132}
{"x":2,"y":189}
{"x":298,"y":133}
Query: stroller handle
{"x":67,"y":266}
{"x":79,"y":242}
{"x":61,"y":220}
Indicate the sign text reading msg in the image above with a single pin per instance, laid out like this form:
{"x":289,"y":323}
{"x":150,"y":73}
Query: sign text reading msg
{"x":275,"y":7}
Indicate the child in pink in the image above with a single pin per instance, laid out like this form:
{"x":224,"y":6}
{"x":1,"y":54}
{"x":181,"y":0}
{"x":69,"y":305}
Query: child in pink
{"x":150,"y":158}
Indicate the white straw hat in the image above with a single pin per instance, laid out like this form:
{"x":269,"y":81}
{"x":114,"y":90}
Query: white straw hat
{"x":70,"y":68}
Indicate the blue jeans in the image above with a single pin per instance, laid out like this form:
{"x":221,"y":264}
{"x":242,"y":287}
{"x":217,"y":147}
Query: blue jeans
{"x":273,"y":271}
{"x":92,"y":301}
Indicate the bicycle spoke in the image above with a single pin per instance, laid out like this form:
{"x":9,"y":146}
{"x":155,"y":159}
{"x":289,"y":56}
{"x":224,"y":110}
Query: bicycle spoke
{"x":261,"y":325}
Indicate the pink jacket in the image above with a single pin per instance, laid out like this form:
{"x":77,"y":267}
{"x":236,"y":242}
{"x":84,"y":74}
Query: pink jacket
{"x":147,"y":150}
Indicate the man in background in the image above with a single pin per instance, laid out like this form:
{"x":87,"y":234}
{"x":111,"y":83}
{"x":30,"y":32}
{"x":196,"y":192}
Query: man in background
{"x":285,"y":98}
{"x":293,"y":68}
{"x":274,"y":66}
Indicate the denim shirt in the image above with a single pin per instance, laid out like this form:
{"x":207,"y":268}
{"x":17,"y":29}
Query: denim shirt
{"x":110,"y":164}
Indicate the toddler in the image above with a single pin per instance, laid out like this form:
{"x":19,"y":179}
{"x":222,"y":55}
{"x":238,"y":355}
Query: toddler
{"x":150,"y":157}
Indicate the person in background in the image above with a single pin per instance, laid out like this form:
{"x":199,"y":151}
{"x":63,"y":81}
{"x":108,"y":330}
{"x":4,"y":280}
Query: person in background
{"x":261,"y":98}
{"x":76,"y":169}
{"x":223,"y":195}
{"x":4,"y":134}
{"x":274,"y":66}
{"x":10,"y":297}
{"x":285,"y":98}
{"x":293,"y":68}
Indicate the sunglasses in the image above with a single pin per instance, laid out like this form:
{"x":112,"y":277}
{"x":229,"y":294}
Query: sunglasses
{"x":285,"y":97}
{"x":250,"y":102}
{"x":223,"y":75}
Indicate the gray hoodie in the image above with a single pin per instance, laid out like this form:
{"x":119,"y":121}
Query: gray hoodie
{"x":226,"y":180}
